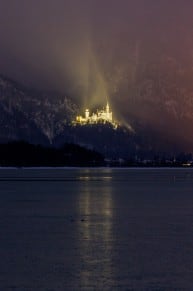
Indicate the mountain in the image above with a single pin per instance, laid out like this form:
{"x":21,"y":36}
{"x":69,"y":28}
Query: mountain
{"x":41,"y":118}
{"x":45,"y":118}
{"x":31,"y":115}
{"x":155,"y":89}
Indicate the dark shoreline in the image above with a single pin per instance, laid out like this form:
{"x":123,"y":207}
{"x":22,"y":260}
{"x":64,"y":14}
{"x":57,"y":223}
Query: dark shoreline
{"x":22,"y":154}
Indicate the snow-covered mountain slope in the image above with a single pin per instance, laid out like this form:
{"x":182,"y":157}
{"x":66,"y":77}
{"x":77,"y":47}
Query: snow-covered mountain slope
{"x":25,"y":111}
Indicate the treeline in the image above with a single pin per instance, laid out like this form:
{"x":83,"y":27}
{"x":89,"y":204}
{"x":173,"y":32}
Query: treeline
{"x":23,"y":154}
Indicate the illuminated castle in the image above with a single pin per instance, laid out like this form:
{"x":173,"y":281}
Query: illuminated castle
{"x":101,"y":116}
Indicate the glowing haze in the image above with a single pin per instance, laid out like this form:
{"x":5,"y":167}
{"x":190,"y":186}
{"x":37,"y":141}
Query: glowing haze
{"x":137,"y":52}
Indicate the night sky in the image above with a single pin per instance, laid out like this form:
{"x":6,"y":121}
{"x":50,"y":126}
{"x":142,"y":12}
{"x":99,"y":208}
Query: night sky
{"x":139,"y":53}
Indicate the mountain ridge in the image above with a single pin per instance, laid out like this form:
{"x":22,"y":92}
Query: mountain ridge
{"x":46,"y":118}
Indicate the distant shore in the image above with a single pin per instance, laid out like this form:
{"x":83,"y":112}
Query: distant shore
{"x":21,"y":154}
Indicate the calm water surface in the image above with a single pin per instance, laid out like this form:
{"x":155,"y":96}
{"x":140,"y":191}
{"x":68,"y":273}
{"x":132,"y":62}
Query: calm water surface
{"x":96,"y":229}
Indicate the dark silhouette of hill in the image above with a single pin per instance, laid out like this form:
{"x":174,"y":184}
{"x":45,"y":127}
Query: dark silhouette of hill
{"x":22,"y":154}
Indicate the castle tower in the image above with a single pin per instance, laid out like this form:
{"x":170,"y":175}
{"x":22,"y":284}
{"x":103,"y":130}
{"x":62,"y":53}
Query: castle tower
{"x":107,"y":111}
{"x":87,"y":113}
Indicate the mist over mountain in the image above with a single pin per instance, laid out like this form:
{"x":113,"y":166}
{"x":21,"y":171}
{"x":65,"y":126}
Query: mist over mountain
{"x":138,"y":53}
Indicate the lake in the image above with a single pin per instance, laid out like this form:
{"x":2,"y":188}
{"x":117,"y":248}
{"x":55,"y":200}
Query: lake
{"x":96,"y":229}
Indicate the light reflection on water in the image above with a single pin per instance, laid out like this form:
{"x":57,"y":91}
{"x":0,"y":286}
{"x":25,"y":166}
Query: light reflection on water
{"x":96,"y":229}
{"x":96,"y":206}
